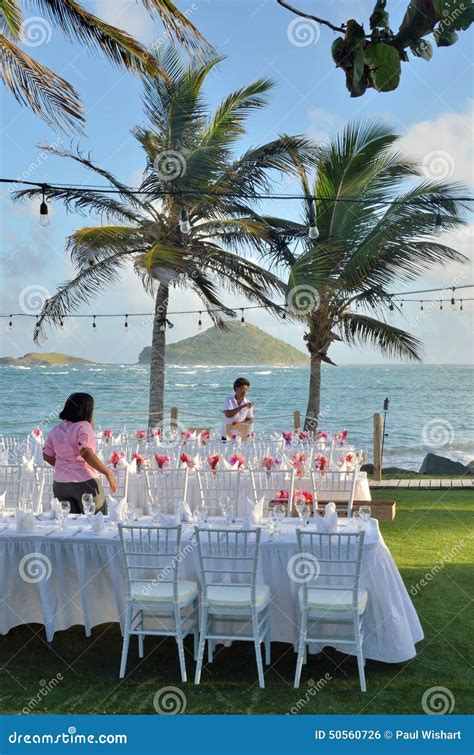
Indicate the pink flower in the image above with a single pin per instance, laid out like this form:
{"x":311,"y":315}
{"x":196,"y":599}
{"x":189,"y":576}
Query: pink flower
{"x":283,"y":494}
{"x":305,"y":496}
{"x":237,"y":459}
{"x":321,"y":435}
{"x":320,"y":462}
{"x":185,"y":435}
{"x":205,"y":437}
{"x":341,"y":437}
{"x":140,"y":434}
{"x":115,"y":458}
{"x":186,"y":459}
{"x":162,"y":460}
{"x":288,"y":438}
{"x":268,"y":462}
{"x":37,"y":432}
{"x":213,"y":461}
{"x":298,"y":462}
{"x":303,"y":435}
{"x":234,"y":436}
{"x":140,"y":459}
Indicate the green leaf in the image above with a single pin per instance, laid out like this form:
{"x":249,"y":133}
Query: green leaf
{"x":422,"y":49}
{"x":453,"y":15}
{"x":419,"y":19}
{"x":355,"y":35}
{"x":338,"y":50}
{"x":379,"y":18}
{"x":384,"y":63}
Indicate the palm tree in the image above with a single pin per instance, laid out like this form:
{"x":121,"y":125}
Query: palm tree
{"x":45,"y":92}
{"x":191,"y":176}
{"x":340,"y":284}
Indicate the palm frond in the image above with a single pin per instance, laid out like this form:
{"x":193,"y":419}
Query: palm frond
{"x":84,"y":202}
{"x":11,"y":20}
{"x":102,"y":242}
{"x":177,"y":23}
{"x":35,"y":86}
{"x":360,"y":330}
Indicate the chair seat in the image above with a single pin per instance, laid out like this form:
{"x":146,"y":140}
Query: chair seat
{"x":336,"y":601}
{"x":163,"y":592}
{"x":225,"y":596}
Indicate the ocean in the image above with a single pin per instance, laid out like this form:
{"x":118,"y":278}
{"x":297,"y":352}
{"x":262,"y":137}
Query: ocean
{"x":430,"y":409}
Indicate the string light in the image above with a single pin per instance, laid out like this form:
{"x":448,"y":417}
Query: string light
{"x":452,"y":298}
{"x":441,"y":304}
{"x":283,"y":317}
{"x":421,"y":307}
{"x":10,"y":324}
{"x":44,"y":217}
{"x":94,"y":324}
{"x":242,"y":320}
{"x":313,"y":231}
{"x":200,"y":321}
{"x":460,"y":308}
{"x":61,"y":324}
{"x":125,"y":325}
{"x":184,"y":224}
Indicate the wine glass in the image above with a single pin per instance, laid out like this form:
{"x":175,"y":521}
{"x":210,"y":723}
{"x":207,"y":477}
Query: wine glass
{"x":299,"y":506}
{"x":130,"y":513}
{"x":201,"y":515}
{"x":356,"y":520}
{"x":306,"y":515}
{"x":65,"y":510}
{"x":88,"y":506}
{"x":228,"y":512}
{"x":364,"y":513}
{"x":279,"y":511}
{"x":154,"y":508}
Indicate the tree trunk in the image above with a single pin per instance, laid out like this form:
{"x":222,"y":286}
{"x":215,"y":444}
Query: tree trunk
{"x":314,"y":398}
{"x":157,"y":363}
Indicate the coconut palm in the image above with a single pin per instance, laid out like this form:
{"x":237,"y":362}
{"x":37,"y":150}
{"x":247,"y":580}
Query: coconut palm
{"x":45,"y":92}
{"x":192,"y":177}
{"x":340,"y":284}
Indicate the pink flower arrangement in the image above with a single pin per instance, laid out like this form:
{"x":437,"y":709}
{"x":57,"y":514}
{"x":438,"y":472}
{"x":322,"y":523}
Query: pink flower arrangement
{"x":213,"y":461}
{"x":140,"y":459}
{"x":234,"y":435}
{"x":37,"y":432}
{"x":348,"y":460}
{"x":303,"y":496}
{"x":237,"y":459}
{"x":320,"y":463}
{"x":162,"y":460}
{"x":205,"y":437}
{"x":269,"y":462}
{"x":185,"y":436}
{"x":298,"y":462}
{"x":282,"y":495}
{"x":186,"y":459}
{"x":107,"y":432}
{"x":303,"y":435}
{"x":321,"y":435}
{"x":154,"y":434}
{"x":116,"y":458}
{"x":140,"y":435}
{"x":341,"y":437}
{"x":288,"y":438}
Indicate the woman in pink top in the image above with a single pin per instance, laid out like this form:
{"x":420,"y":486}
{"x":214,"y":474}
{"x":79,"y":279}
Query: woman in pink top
{"x":70,"y":449}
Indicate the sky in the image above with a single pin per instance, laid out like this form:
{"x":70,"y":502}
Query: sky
{"x":431,"y":110}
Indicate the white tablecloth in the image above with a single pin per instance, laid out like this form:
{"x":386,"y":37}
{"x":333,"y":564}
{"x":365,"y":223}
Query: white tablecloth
{"x":82,"y":583}
{"x":137,"y":490}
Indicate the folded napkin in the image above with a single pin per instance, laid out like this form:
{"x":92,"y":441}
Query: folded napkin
{"x":328,"y":523}
{"x":27,"y":465}
{"x":2,"y":499}
{"x":186,"y":513}
{"x":116,"y":509}
{"x":25,"y":521}
{"x":227,"y":465}
{"x":253,"y":513}
{"x":97,"y":522}
{"x":169,"y":520}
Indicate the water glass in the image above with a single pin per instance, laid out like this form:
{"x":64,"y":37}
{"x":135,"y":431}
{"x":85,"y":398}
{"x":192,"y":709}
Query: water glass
{"x":364,"y":513}
{"x":299,"y":506}
{"x":65,"y":510}
{"x":88,"y":506}
{"x":130,"y":514}
{"x":154,"y":509}
{"x":306,"y":515}
{"x":201,"y":515}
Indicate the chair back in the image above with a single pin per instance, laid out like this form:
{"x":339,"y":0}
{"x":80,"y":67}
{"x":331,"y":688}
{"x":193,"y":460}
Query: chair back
{"x":267,"y":485}
{"x":152,"y":555}
{"x":10,"y":480}
{"x":168,"y":487}
{"x":215,"y":487}
{"x":331,"y":561}
{"x":228,"y":557}
{"x":339,"y":485}
{"x":121,"y":475}
{"x":44,"y":483}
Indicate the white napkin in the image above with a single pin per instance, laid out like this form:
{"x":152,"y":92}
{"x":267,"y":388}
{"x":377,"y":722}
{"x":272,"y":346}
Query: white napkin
{"x":37,"y":438}
{"x":228,"y":465}
{"x":2,"y":499}
{"x":328,"y":523}
{"x":253,"y":513}
{"x":25,"y":522}
{"x":132,"y":467}
{"x":169,"y":520}
{"x":116,"y":509}
{"x":49,"y":514}
{"x":27,"y":465}
{"x":97,"y":522}
{"x":186,"y":513}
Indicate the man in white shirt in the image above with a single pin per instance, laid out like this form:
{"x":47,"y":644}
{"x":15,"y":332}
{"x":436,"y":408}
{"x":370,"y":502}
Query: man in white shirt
{"x":236,"y":409}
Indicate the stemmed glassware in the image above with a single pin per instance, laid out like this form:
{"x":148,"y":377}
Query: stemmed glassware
{"x":154,"y":508}
{"x":300,"y":506}
{"x":88,"y":506}
{"x":306,"y":515}
{"x":279,"y":512}
{"x":65,"y":511}
{"x":364,"y":514}
{"x":201,"y":515}
{"x":228,"y":511}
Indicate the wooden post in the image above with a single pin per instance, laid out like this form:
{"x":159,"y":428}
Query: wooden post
{"x":174,"y":418}
{"x":297,"y":419}
{"x":378,"y":435}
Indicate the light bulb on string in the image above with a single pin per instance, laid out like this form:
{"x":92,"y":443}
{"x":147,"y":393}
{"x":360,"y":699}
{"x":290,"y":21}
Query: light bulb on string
{"x":242,"y":320}
{"x":94,"y":325}
{"x":391,"y":306}
{"x":200,"y":321}
{"x":452,"y":298}
{"x":460,"y":307}
{"x":125,"y":325}
{"x":421,"y":306}
{"x":283,"y":317}
{"x":61,"y":324}
{"x":184,"y":224}
{"x":10,"y":324}
{"x":44,"y":216}
{"x":441,"y":304}
{"x":313,"y":231}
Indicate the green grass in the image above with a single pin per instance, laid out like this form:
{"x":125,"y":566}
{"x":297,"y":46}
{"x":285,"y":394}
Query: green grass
{"x":429,"y":524}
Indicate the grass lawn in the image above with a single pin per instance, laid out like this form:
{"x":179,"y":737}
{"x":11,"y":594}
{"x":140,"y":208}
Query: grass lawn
{"x":430,"y":525}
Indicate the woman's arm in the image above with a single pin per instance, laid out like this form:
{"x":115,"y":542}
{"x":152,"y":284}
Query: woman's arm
{"x":49,"y":459}
{"x":93,"y":460}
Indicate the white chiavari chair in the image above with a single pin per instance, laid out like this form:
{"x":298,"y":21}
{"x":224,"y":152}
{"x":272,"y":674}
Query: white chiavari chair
{"x":10,"y":482}
{"x":215,"y":487}
{"x":155,"y":592}
{"x":44,"y":482}
{"x":122,"y":477}
{"x":168,"y":487}
{"x":266,"y":485}
{"x":331,"y":595}
{"x":228,"y":561}
{"x":334,"y":486}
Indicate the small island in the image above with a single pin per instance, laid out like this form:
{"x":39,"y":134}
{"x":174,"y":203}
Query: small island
{"x":50,"y":358}
{"x":234,"y":345}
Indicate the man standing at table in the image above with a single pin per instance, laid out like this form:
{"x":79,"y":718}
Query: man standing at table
{"x":237,"y":410}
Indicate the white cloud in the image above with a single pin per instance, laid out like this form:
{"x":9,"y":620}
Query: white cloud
{"x":129,"y":16}
{"x":443,"y":145}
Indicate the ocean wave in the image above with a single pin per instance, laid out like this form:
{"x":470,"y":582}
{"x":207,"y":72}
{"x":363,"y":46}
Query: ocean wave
{"x":264,"y":372}
{"x":66,"y":372}
{"x":19,"y":367}
{"x":96,"y":369}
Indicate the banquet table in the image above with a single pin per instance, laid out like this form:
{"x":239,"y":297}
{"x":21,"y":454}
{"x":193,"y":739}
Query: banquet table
{"x":64,"y":578}
{"x":137,"y":495}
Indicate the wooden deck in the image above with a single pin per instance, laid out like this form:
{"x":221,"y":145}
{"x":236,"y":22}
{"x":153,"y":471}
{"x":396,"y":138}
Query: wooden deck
{"x":424,"y":483}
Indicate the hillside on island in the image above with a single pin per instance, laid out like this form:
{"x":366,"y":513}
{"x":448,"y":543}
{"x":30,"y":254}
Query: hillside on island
{"x":47,"y":358}
{"x":236,"y":345}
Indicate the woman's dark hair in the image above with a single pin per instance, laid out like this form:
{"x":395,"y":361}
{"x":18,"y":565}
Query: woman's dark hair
{"x":241,"y":382}
{"x":79,"y":407}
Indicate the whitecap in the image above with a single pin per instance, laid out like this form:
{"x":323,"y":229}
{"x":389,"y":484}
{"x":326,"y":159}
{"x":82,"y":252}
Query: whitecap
{"x":264,"y":372}
{"x":19,"y":367}
{"x":57,"y":373}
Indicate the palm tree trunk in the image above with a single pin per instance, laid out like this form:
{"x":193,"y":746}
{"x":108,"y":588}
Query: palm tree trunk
{"x":157,"y":363}
{"x":314,"y":398}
